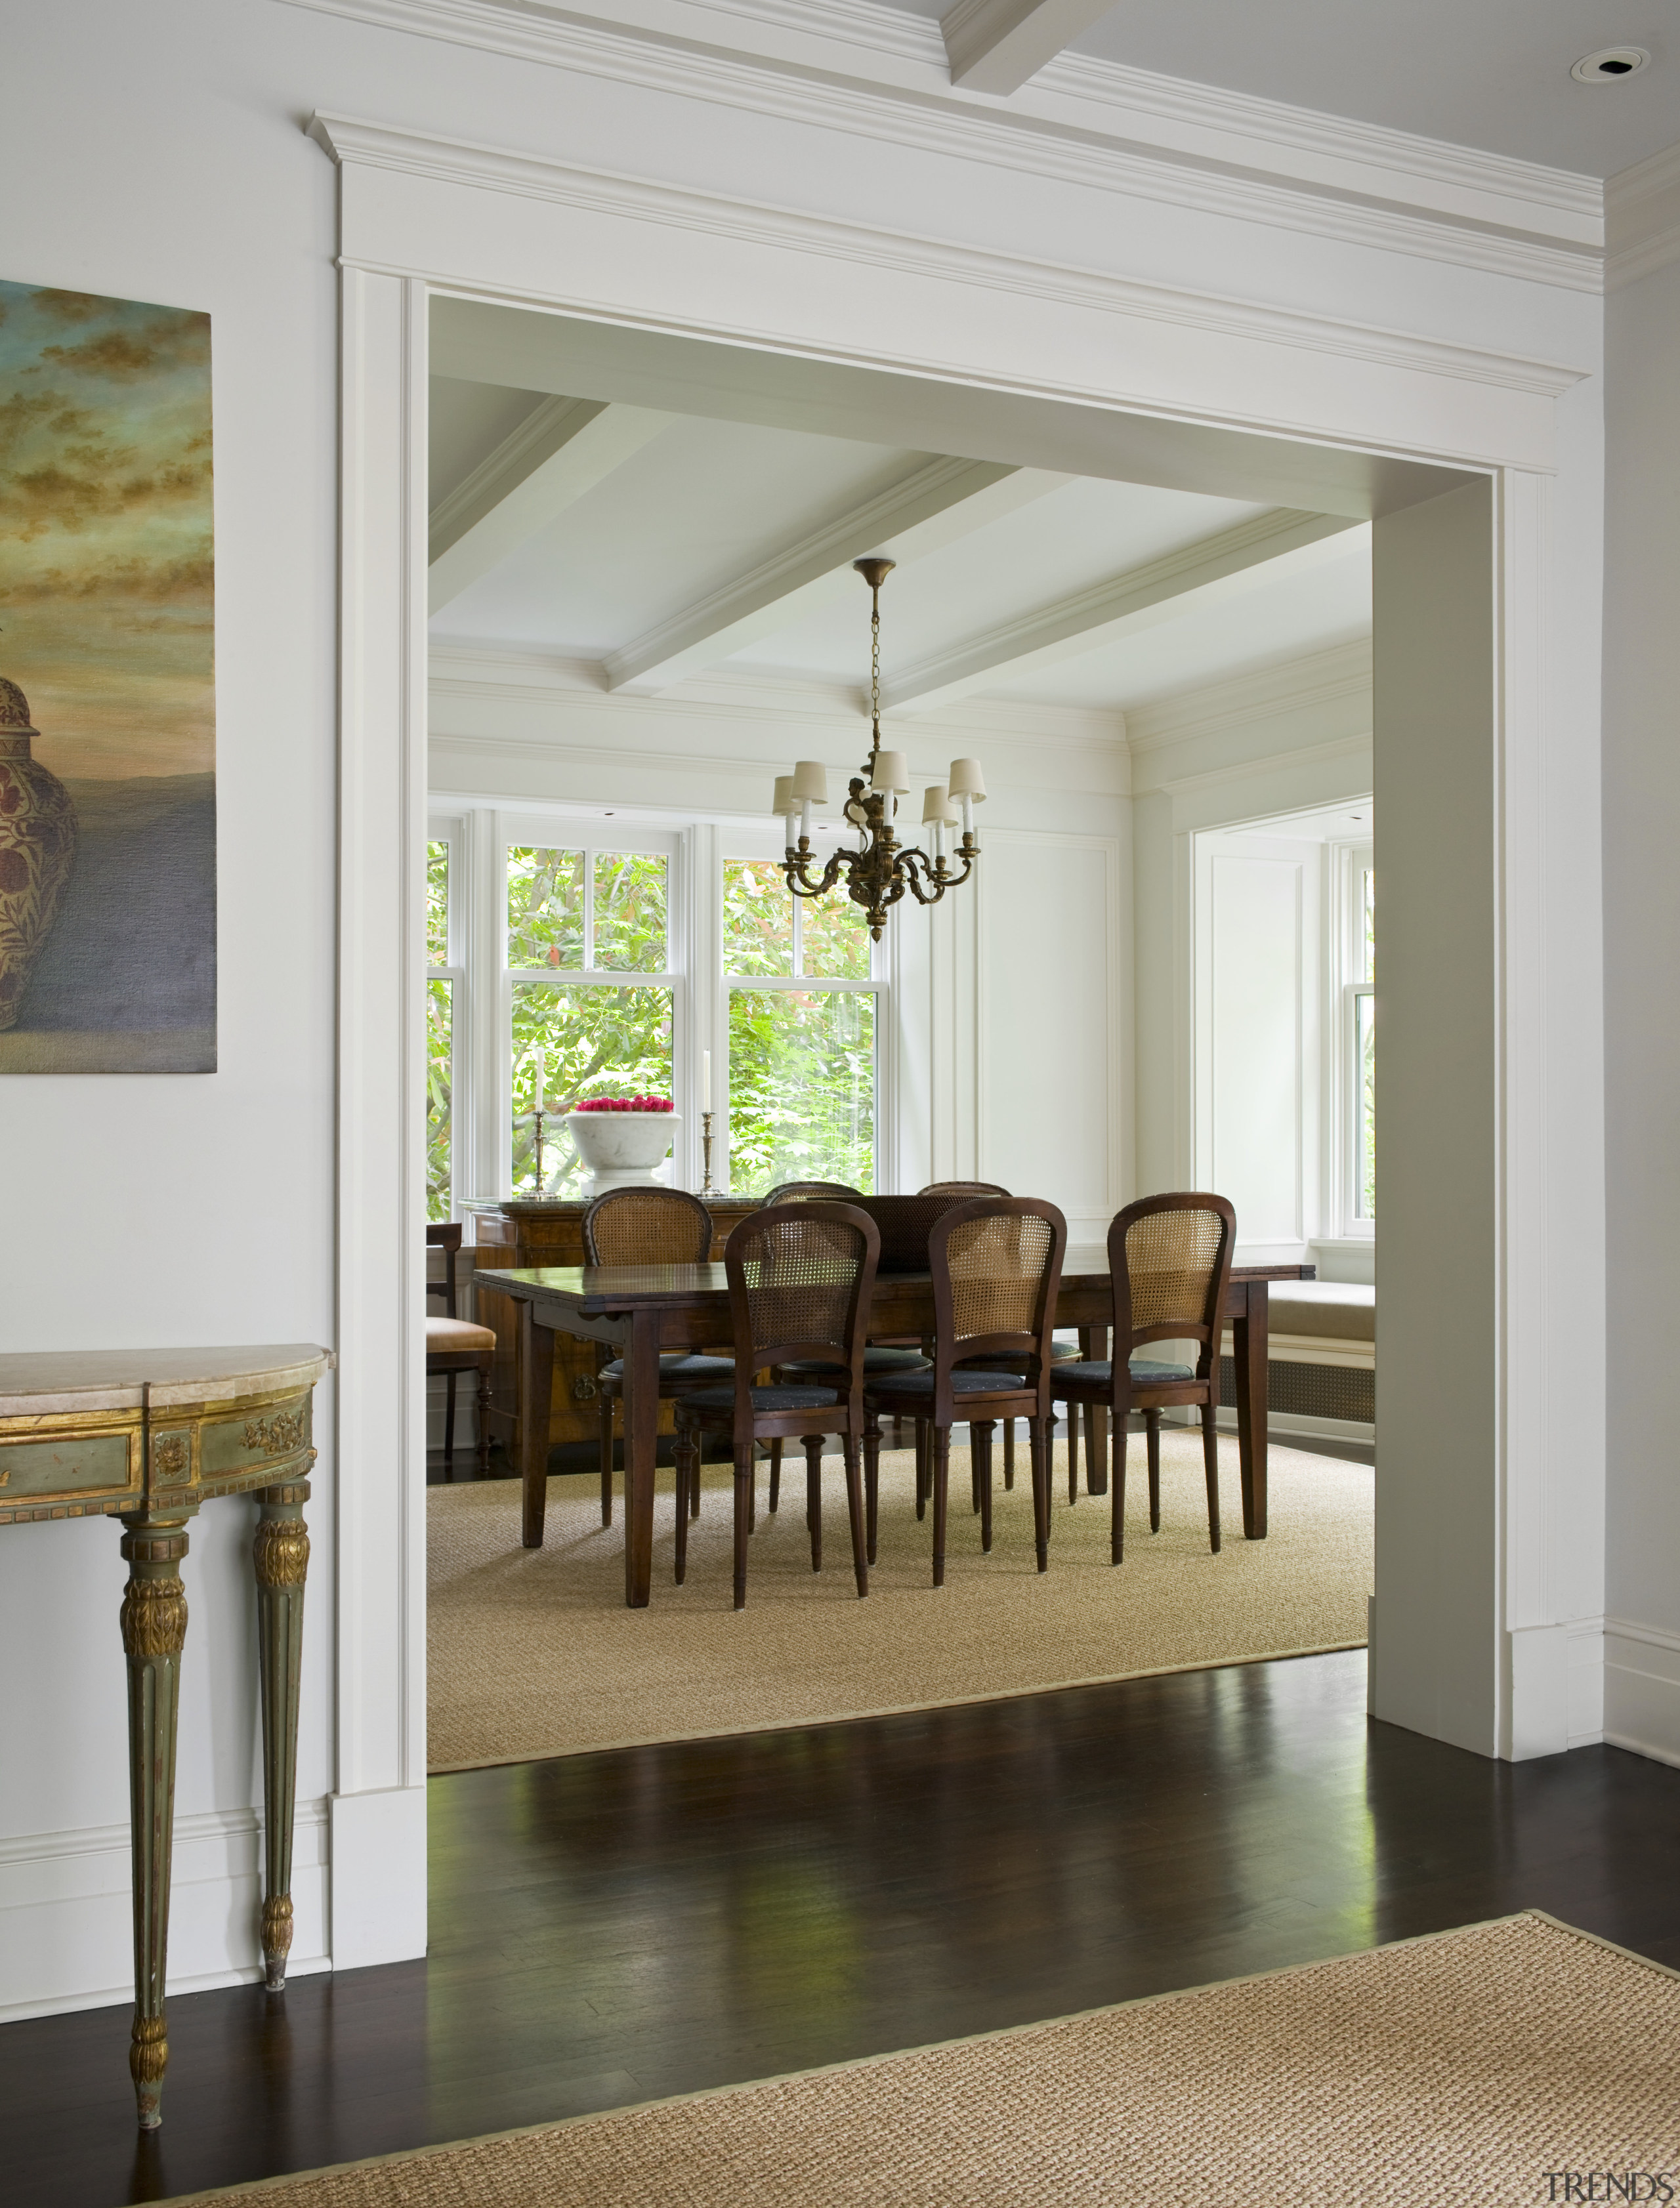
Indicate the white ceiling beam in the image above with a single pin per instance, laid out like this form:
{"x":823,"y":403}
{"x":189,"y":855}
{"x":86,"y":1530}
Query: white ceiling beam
{"x":1253,"y":554}
{"x":942,"y":501}
{"x":995,"y":45}
{"x":563,"y":449}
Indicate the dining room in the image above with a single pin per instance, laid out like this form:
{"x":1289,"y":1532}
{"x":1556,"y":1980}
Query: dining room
{"x":641,"y":1002}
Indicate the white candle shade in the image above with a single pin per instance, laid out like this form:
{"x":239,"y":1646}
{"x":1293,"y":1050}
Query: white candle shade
{"x":810,"y":781}
{"x":967,"y":780}
{"x":782,"y":802}
{"x":892,"y":771}
{"x":936,"y":805}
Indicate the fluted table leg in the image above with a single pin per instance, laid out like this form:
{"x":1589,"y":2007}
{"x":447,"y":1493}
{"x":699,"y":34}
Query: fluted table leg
{"x":154,"y":1631}
{"x":281,"y":1553}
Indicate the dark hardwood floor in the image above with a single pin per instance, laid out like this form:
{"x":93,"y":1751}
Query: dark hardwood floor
{"x":612,"y":1927}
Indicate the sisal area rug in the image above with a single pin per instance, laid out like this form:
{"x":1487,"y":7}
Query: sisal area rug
{"x":1475,"y":2068}
{"x":533,"y":1652}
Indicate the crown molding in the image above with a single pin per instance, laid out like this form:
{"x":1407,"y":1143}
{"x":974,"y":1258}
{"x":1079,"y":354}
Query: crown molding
{"x":1316,"y":679}
{"x":1643,"y":218}
{"x":1095,"y":125}
{"x":486,"y":674}
{"x":1219,"y":777}
{"x":350,"y":140}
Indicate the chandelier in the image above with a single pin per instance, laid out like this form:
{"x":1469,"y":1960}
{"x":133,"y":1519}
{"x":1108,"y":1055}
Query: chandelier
{"x":880,"y":869}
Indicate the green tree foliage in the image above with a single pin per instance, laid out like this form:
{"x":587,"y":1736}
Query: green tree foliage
{"x":440,"y":1099}
{"x":599,"y":1042}
{"x":802,"y":1087}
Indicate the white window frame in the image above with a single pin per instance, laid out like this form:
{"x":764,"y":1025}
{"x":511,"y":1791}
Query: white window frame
{"x":736,"y":844}
{"x":591,"y":835}
{"x":1348,"y":984}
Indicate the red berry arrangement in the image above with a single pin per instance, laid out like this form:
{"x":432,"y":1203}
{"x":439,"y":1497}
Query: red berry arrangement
{"x":626,"y":1104}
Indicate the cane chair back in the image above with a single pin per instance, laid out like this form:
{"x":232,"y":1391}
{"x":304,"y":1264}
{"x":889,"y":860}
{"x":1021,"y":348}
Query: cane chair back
{"x":800,"y":1276}
{"x":996,"y":1265}
{"x":964,"y":1188}
{"x":1170,"y":1258}
{"x":811,"y":1191}
{"x":647,"y":1226}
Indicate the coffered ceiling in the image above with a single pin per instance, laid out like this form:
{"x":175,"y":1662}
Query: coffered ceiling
{"x":656,"y":547}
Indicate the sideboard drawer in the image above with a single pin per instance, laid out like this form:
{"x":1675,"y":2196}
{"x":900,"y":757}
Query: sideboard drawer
{"x":68,"y":1465}
{"x":230,"y":1446}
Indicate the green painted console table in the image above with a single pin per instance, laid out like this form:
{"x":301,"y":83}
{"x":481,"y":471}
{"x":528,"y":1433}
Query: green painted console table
{"x":146,"y":1436}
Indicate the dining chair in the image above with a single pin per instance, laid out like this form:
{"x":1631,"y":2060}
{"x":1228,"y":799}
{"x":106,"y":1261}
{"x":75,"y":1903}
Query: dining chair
{"x":900,"y":1355}
{"x":963,"y":1188}
{"x":802,"y":1192}
{"x":1169,"y":1258}
{"x":648,"y":1226}
{"x":995,"y":1264}
{"x":799,"y":1278}
{"x":453,"y":1346}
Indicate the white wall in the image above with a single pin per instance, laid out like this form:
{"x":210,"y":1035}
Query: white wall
{"x":158,"y":153}
{"x":1642,"y":697}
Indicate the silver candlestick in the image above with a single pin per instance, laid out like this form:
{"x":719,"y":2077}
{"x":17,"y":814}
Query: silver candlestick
{"x":706,"y":1188}
{"x":535,"y":1119}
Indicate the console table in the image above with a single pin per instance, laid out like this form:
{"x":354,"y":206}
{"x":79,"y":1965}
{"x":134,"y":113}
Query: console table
{"x":146,"y":1436}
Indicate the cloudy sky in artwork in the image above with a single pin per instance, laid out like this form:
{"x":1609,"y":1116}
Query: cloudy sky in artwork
{"x":106,"y":544}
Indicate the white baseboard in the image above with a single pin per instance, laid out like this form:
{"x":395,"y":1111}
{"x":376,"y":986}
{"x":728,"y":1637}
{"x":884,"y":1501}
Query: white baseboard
{"x":1642,"y":1690}
{"x":66,"y":1937}
{"x":1281,"y":1425}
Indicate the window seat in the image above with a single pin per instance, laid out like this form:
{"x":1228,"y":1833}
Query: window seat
{"x":1321,"y":1356}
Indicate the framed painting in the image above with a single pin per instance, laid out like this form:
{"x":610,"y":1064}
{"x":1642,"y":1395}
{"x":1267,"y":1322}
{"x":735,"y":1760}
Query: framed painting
{"x":107,"y":687}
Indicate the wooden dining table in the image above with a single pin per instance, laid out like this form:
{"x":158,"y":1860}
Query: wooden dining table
{"x":646,"y":1311}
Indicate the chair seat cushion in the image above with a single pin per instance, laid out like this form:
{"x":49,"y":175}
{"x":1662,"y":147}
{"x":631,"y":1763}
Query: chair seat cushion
{"x":963,"y":1382}
{"x":874,"y":1360}
{"x":457,"y":1334}
{"x":764,"y":1399}
{"x":1098,"y":1372}
{"x":680,"y":1365}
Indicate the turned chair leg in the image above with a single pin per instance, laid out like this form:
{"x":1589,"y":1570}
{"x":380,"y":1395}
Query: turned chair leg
{"x":483,"y":1420}
{"x":872,"y":1478}
{"x":776,"y":1472}
{"x":923,"y":1468}
{"x":688,"y":1453}
{"x":1096,"y":1449}
{"x":449,"y":1425}
{"x":1072,"y":1450}
{"x":743,"y":1479}
{"x":1117,"y":1521}
{"x":1210,"y":1455}
{"x":1038,"y":1443}
{"x":606,"y":1457}
{"x":1152,"y":1443}
{"x":979,"y":1452}
{"x":813,"y":1496}
{"x":941,"y":1449}
{"x":1009,"y":1453}
{"x":855,"y":1512}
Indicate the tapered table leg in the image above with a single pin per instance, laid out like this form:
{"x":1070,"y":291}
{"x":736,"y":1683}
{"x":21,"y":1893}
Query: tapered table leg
{"x":641,"y":1441}
{"x":154,"y":1631}
{"x":1249,"y":1332}
{"x":281,"y":1554}
{"x":537,"y":1380}
{"x":1094,"y":1342}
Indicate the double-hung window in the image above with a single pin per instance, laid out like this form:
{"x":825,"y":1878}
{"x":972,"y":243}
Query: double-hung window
{"x":445,"y":992}
{"x":593,"y":985}
{"x":805,"y":988}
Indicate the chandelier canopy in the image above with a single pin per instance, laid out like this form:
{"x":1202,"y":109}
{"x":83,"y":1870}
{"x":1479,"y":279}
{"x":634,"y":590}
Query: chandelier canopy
{"x":879,"y":870}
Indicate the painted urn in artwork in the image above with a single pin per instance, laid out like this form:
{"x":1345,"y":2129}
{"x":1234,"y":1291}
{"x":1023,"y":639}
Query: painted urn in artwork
{"x":622,"y":1138}
{"x":38,"y":835}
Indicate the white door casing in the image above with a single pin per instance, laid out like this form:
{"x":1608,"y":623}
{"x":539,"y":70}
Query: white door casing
{"x":1099,"y":371}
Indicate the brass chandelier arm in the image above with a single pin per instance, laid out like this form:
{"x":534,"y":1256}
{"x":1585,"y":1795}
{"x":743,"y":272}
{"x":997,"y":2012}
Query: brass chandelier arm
{"x":916,"y":862}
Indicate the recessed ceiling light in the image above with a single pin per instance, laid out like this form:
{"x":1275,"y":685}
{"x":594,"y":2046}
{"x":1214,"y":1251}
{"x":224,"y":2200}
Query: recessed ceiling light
{"x":1609,"y":66}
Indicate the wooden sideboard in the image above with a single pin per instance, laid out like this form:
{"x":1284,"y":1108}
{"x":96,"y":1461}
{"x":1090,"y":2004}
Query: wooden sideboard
{"x":528,"y":1232}
{"x":146,"y":1436}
